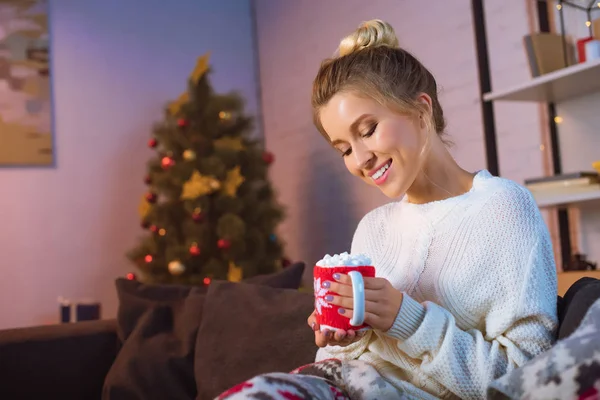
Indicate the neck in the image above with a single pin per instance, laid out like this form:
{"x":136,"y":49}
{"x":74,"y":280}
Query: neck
{"x":440,"y":177}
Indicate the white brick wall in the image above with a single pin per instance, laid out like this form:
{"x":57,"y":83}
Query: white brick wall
{"x":294,"y":36}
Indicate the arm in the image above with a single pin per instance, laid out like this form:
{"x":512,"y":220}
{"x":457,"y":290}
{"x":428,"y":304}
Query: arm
{"x":520,"y":318}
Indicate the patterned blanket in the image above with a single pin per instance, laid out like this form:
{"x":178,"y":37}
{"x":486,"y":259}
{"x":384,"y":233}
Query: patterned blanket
{"x":570,"y":370}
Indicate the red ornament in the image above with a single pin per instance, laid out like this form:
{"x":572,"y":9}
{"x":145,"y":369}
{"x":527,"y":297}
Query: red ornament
{"x":131,"y":276}
{"x":148,"y":258}
{"x":152,"y":143}
{"x":148,"y":180}
{"x":285,"y":262}
{"x":197,"y":216}
{"x":207,"y":281}
{"x":195,"y":250}
{"x":151,"y":197}
{"x":154,"y":228}
{"x":182,"y":123}
{"x":268,"y":157}
{"x":223,"y":244}
{"x":167,"y":162}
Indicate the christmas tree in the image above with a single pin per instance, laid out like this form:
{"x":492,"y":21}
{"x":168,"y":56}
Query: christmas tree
{"x":209,"y":210}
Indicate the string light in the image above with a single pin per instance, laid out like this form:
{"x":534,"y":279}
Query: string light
{"x":542,"y":147}
{"x":588,"y":23}
{"x":559,"y":7}
{"x":558,"y":119}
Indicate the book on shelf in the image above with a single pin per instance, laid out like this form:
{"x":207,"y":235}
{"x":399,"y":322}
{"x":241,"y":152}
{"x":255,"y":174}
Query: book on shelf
{"x":545,"y":52}
{"x":573,"y":180}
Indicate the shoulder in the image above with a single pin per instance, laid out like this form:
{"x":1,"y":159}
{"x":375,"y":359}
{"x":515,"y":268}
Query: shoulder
{"x":501,"y":195}
{"x":508,"y":211}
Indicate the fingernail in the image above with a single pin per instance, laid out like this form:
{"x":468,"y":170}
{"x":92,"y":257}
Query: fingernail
{"x":329,"y":298}
{"x":326,"y":333}
{"x":336,"y":277}
{"x":326,"y":284}
{"x":313,"y":325}
{"x":341,"y":311}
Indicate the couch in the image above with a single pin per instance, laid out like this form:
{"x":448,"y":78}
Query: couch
{"x":180,"y":342}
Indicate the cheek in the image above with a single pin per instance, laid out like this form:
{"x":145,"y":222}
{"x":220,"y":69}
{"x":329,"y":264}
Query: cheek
{"x":351,"y":166}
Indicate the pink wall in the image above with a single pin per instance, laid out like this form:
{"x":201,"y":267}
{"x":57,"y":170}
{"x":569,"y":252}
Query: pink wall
{"x":65,"y":229}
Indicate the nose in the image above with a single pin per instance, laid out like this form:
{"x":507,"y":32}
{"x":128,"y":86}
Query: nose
{"x":362,"y":156}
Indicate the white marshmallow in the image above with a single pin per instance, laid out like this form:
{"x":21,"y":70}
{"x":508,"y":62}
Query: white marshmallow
{"x":344,"y":259}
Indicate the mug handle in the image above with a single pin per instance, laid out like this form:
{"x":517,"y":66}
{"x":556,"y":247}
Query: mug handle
{"x":358,"y":294}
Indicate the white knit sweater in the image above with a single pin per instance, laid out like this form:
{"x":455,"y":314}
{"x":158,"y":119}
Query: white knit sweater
{"x":479,"y":282}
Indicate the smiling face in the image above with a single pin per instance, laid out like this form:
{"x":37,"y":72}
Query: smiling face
{"x":379,"y":146}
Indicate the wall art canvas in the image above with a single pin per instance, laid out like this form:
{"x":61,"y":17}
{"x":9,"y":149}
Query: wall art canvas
{"x":26,"y":136}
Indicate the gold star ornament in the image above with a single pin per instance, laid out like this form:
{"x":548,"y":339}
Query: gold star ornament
{"x":144,"y":207}
{"x":200,"y":68}
{"x":175,"y":106}
{"x":235,"y":273}
{"x":233,"y":181}
{"x":199,"y":185}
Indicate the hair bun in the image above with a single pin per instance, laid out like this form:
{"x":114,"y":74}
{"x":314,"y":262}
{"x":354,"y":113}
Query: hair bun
{"x":373,"y":33}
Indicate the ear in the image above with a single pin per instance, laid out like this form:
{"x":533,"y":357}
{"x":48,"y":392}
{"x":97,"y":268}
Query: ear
{"x":425,"y":99}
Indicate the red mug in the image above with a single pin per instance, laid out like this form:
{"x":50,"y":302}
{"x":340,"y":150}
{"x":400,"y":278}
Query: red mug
{"x":327,"y":314}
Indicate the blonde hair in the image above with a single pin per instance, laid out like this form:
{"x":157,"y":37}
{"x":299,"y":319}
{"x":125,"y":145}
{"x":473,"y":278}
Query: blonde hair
{"x":370,"y":62}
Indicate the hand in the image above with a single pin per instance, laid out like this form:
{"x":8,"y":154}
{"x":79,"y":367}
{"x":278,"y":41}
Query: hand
{"x":331,"y":338}
{"x":382,"y":300}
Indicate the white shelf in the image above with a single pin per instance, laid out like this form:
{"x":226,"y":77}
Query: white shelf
{"x":576,"y":80}
{"x":566,"y":197}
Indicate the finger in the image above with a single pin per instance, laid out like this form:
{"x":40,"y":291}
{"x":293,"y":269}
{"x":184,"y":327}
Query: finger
{"x":320,"y":339}
{"x":312,"y":322}
{"x":344,"y":302}
{"x":347,"y":305}
{"x":340,"y":335}
{"x":341,"y":289}
{"x":375,"y":283}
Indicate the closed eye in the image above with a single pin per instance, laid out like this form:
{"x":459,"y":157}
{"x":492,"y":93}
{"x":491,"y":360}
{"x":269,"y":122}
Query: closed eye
{"x":368,"y":134}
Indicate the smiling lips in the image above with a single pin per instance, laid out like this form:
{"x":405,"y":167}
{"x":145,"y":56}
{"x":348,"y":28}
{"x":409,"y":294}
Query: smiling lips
{"x":380,"y":174}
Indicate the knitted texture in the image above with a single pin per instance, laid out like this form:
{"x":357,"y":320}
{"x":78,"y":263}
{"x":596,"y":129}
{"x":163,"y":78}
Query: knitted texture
{"x":479,"y":281}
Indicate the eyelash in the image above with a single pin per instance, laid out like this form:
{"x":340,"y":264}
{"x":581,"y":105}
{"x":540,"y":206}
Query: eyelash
{"x":369,"y":133}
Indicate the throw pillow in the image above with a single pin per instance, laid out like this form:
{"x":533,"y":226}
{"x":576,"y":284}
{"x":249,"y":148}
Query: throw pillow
{"x":569,"y":370}
{"x":247,"y":330}
{"x":157,"y":325}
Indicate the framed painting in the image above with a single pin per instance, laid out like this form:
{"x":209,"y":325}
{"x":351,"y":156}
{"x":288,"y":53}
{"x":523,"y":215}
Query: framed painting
{"x":26,"y":136}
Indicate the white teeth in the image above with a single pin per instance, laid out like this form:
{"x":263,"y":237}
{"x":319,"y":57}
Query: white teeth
{"x":381,"y":171}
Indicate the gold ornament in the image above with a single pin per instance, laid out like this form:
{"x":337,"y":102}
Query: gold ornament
{"x":233,"y":181}
{"x":225,"y":115}
{"x":176,"y":267}
{"x":199,"y":185}
{"x":175,"y":106}
{"x":144,"y":207}
{"x":200,"y":68}
{"x":229,"y":143}
{"x":189,"y":155}
{"x":235,"y":273}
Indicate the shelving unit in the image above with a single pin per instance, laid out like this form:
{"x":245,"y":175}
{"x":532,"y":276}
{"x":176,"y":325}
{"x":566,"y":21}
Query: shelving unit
{"x":568,"y":83}
{"x":567,"y":197}
{"x":574,"y":81}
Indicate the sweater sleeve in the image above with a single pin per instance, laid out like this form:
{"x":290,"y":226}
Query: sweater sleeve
{"x":520,"y":316}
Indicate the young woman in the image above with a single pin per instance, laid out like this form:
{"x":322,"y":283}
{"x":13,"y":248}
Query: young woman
{"x":466,"y":283}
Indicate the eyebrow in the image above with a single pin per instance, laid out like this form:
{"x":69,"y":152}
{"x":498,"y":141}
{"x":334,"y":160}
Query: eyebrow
{"x":353,"y":128}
